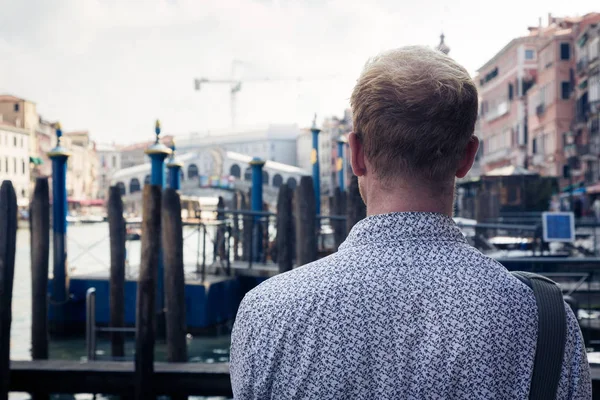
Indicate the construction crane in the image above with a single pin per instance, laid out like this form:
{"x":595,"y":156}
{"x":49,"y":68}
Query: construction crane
{"x":235,"y":83}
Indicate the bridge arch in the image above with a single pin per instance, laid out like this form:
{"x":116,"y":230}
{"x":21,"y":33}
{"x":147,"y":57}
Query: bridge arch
{"x":121,"y":187}
{"x":134,"y":185}
{"x":192,"y":171}
{"x":236,"y":171}
{"x":292,"y":183}
{"x":277,"y":180}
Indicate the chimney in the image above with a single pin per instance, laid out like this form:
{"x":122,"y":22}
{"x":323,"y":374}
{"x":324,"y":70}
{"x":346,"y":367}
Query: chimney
{"x":550,"y":19}
{"x":539,"y":32}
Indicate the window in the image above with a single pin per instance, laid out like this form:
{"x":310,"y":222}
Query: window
{"x":21,"y":142}
{"x":565,"y":139}
{"x":565,"y":90}
{"x":510,"y":91}
{"x":23,"y":167}
{"x":114,"y":161}
{"x":6,"y":164}
{"x":529,"y":54}
{"x":565,"y":51}
{"x":15,"y":141}
{"x":534,"y":146}
{"x":16,"y":107}
{"x":15,"y":165}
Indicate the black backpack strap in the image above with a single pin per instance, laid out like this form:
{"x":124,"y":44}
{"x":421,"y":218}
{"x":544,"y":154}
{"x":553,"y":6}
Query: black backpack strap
{"x":552,"y":331}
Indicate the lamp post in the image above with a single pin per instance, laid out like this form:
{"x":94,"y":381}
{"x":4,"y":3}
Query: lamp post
{"x":174,"y":166}
{"x":158,"y":152}
{"x":59,"y":291}
{"x":256,"y":204}
{"x":314,"y":159}
{"x":341,"y":163}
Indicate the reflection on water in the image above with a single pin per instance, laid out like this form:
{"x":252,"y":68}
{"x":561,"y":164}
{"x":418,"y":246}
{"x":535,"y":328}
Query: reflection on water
{"x":89,"y":251}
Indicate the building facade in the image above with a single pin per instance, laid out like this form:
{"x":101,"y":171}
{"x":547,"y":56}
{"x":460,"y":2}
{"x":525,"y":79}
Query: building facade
{"x":134,"y":154}
{"x":109,"y":162}
{"x":14,"y":159}
{"x":82,"y":166}
{"x":551,"y":106}
{"x":503,"y":83}
{"x":585,"y":142}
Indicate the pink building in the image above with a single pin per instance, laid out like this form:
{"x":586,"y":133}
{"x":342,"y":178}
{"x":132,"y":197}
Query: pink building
{"x":502,"y":83}
{"x":551,"y":106}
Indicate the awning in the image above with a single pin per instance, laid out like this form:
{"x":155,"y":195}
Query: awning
{"x":36,"y":160}
{"x":510,"y":170}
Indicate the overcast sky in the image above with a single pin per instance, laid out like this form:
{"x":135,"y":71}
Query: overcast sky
{"x":113,"y":67}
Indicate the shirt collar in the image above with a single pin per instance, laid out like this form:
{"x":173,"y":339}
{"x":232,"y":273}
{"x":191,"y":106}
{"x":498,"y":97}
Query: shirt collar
{"x":403,"y":226}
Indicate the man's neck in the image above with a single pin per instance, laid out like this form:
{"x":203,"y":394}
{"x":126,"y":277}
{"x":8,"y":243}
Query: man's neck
{"x":408,"y":197}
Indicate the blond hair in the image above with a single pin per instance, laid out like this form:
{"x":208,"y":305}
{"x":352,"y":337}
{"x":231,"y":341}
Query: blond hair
{"x":414,"y":110}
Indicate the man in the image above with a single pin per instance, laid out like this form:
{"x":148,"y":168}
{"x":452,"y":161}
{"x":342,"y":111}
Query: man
{"x":406,"y":309}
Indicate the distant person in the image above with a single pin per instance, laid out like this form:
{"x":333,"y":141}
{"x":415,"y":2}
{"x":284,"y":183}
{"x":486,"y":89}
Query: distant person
{"x":406,"y":309}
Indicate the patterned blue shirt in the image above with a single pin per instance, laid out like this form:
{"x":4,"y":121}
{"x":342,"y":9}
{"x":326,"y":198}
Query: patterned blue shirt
{"x":406,"y":309}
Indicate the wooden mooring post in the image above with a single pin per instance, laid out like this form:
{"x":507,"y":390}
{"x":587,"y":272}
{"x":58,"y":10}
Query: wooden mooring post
{"x":117,"y":233}
{"x":356,"y":209}
{"x":306,"y":222}
{"x":39,"y":230}
{"x":8,"y":245}
{"x":39,"y":234}
{"x":285,"y":229}
{"x":172,"y":241}
{"x":339,"y":209}
{"x":146,"y":309}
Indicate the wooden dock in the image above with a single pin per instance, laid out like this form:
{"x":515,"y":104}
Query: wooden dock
{"x":117,"y":378}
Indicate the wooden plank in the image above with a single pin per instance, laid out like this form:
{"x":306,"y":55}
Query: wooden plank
{"x":117,"y":233}
{"x":171,"y":379}
{"x":172,"y":240}
{"x":146,"y":294}
{"x":8,"y":246}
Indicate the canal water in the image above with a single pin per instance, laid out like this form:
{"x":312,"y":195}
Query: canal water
{"x":89,"y":251}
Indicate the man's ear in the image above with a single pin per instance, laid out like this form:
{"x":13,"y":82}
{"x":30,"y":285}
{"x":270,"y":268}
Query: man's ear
{"x":468,"y":158}
{"x":357,"y":155}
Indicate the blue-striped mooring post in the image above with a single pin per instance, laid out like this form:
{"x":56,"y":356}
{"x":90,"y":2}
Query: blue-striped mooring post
{"x":341,"y":163}
{"x":314,"y":159}
{"x":256,"y":204}
{"x":59,"y":292}
{"x":158,"y":152}
{"x":174,"y":166}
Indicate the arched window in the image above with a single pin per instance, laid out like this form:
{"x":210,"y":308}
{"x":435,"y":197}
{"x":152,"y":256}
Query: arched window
{"x":147,"y":180}
{"x":277,"y":180}
{"x":192,"y":171}
{"x":134,"y":185}
{"x":292,"y":183}
{"x":235,"y":171}
{"x":248,"y":174}
{"x":265,"y":177}
{"x":121,"y":187}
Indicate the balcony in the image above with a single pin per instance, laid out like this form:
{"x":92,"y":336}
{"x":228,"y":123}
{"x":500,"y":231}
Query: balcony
{"x":595,"y":126}
{"x":588,"y":176}
{"x":495,"y":156}
{"x":537,"y":159}
{"x":582,"y":65}
{"x":540,"y":109}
